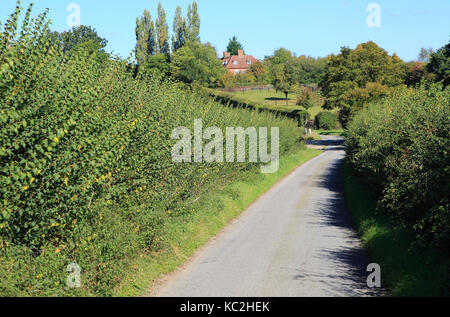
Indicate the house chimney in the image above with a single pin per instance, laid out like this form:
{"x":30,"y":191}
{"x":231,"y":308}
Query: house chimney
{"x":241,"y":53}
{"x":226,"y":54}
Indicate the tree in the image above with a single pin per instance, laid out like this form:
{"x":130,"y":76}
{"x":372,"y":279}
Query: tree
{"x":234,"y":46}
{"x":348,"y":81}
{"x":259,"y":71}
{"x":425,"y":55}
{"x":307,"y":98}
{"x":162,"y":32}
{"x":179,"y":30}
{"x":158,"y":64}
{"x":440,"y":65}
{"x":145,"y":38}
{"x":310,"y":70}
{"x":416,"y":72}
{"x":197,"y":63}
{"x":284,"y":79}
{"x":281,"y":71}
{"x":280,"y":57}
{"x":76,"y":36}
{"x":193,"y":25}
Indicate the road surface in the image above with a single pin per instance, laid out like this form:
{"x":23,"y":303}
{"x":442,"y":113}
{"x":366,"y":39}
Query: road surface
{"x":295,"y":241}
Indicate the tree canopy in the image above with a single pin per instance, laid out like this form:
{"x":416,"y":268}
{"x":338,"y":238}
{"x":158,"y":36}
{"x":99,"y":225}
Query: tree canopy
{"x":76,"y":36}
{"x":357,"y":76}
{"x":162,"y":32}
{"x":425,"y":54}
{"x":179,"y":30}
{"x":197,"y":63}
{"x":193,"y":23}
{"x":440,"y":65}
{"x":234,"y":46}
{"x":145,"y":38}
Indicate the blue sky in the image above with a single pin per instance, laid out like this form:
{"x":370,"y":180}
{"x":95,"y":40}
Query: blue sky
{"x":316,"y":28}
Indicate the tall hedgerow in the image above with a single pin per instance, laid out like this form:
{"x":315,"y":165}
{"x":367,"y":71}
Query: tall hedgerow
{"x":401,"y":144}
{"x":86,"y":173}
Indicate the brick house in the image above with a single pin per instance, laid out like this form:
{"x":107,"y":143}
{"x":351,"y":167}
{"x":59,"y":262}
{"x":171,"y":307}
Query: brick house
{"x":238,"y":64}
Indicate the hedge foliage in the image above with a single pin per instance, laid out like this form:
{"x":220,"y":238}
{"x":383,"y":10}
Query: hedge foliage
{"x":326,"y":120}
{"x":86,"y":172}
{"x":401,"y":144}
{"x":298,"y":115}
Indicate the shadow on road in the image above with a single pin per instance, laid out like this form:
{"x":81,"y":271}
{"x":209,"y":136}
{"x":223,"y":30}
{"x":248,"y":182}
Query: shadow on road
{"x":350,"y":259}
{"x":331,"y":143}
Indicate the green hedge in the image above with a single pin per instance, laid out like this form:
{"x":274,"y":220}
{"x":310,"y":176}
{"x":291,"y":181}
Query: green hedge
{"x":86,"y":173}
{"x":326,"y":120}
{"x":401,"y":145}
{"x":298,"y":115}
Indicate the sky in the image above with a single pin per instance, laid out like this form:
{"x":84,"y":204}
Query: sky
{"x":316,"y":28}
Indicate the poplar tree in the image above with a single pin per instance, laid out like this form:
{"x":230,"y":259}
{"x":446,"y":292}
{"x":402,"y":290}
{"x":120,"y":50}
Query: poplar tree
{"x":162,"y":31}
{"x":145,"y":38}
{"x":179,"y":30}
{"x":193,"y":28}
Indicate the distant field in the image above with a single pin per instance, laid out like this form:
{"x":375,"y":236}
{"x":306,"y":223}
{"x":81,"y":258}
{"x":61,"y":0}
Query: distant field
{"x":268,"y":97}
{"x":271,"y":97}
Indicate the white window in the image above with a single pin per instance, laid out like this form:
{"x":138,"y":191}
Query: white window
{"x":249,"y":62}
{"x":235,"y":63}
{"x":236,"y":72}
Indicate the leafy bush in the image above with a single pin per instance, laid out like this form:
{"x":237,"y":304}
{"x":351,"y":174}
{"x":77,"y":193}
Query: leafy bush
{"x":401,"y":145}
{"x":326,"y":120}
{"x":359,"y":98}
{"x":307,"y":98}
{"x":86,"y":173}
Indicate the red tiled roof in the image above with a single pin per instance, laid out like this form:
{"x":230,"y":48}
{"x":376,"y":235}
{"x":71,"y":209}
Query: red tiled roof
{"x":241,"y":61}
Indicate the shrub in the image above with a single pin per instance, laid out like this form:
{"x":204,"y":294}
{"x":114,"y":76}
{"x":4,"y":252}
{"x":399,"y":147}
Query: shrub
{"x":326,"y":120}
{"x":86,"y":172}
{"x":401,"y":145}
{"x":359,"y":98}
{"x":307,"y":98}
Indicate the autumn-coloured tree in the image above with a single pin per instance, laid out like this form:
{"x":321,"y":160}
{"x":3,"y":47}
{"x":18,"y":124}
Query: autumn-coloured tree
{"x":353,"y":75}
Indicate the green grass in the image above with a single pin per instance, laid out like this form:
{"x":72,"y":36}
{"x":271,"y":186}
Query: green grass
{"x":268,"y":97}
{"x":215,"y":210}
{"x":272,"y":98}
{"x":405,"y":273}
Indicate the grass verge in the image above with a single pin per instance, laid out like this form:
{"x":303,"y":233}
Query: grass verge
{"x":405,"y":272}
{"x":215,"y":210}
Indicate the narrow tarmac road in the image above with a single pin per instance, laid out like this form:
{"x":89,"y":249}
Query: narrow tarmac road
{"x":295,"y":241}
